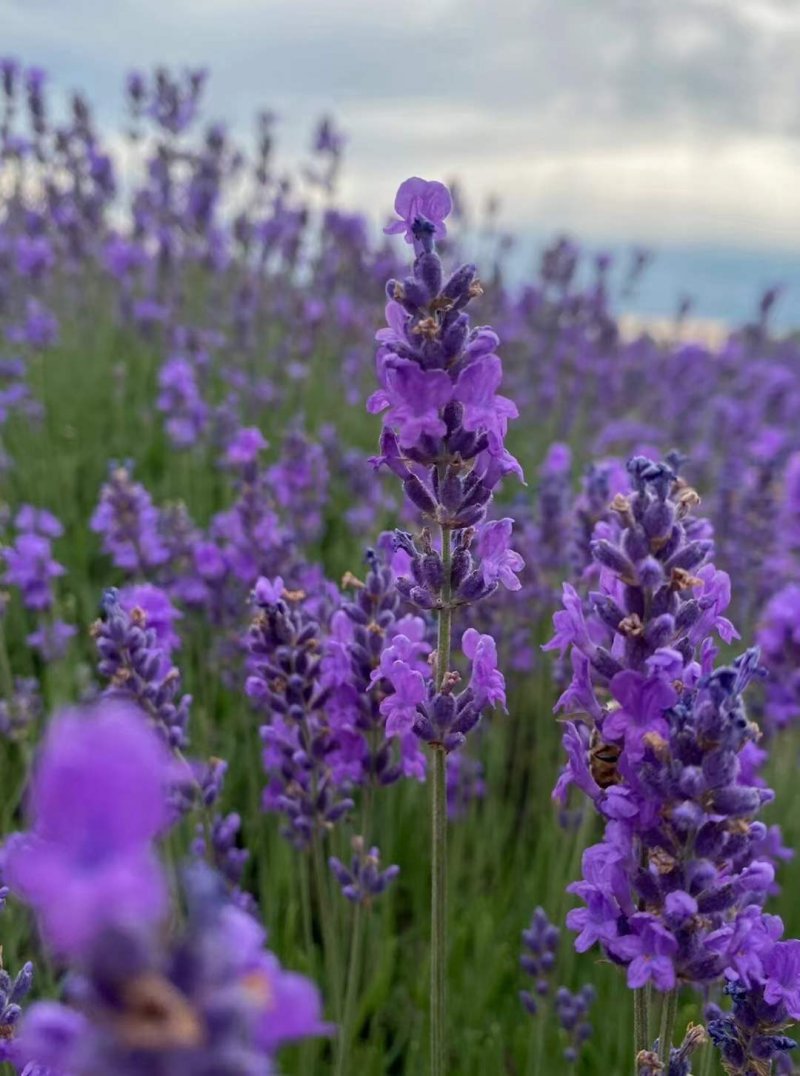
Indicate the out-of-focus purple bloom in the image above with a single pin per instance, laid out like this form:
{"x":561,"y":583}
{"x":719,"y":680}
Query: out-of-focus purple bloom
{"x":540,"y":948}
{"x":158,"y":612}
{"x":465,"y":783}
{"x":208,"y":999}
{"x":22,"y":711}
{"x":37,"y":521}
{"x":245,"y":446}
{"x":128,"y":522}
{"x":97,"y":803}
{"x":778,"y":636}
{"x":31,"y":567}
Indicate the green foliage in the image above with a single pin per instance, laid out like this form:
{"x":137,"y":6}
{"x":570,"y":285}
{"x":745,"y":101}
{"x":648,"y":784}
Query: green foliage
{"x":508,"y":855}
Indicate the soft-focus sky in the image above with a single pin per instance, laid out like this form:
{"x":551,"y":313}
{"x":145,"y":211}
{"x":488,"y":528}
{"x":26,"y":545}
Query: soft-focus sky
{"x":667,"y":122}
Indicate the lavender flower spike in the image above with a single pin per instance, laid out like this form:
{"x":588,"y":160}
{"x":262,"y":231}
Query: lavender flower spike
{"x":364,"y":879}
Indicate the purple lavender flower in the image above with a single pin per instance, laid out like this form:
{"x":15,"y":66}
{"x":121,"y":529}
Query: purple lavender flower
{"x":444,"y":437}
{"x":156,"y":611}
{"x":367,"y":637}
{"x":226,"y":855}
{"x":245,"y":447}
{"x":97,"y":803}
{"x":781,"y":966}
{"x":31,"y":567}
{"x":128,"y":522}
{"x":211,"y":1000}
{"x":363,"y":880}
{"x":13,"y":991}
{"x":499,"y":563}
{"x":674,"y":890}
{"x":409,"y":690}
{"x":465,"y":783}
{"x":421,"y":200}
{"x":538,"y":960}
{"x":540,"y":948}
{"x":136,"y":661}
{"x":572,"y":1010}
{"x":180,"y":399}
{"x":285,"y":682}
{"x":778,"y":635}
{"x":20,"y":713}
{"x":751,"y":1035}
{"x":487,"y":683}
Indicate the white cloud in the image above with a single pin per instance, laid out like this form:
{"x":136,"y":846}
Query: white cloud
{"x":633,"y":117}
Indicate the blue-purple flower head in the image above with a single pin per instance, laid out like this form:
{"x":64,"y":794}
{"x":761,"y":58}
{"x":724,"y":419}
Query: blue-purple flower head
{"x":208,"y":998}
{"x":420,"y":202}
{"x":97,"y":803}
{"x":363,"y":879}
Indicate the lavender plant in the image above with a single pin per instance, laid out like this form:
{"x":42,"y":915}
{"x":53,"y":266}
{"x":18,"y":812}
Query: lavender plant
{"x":210,"y":1000}
{"x":444,"y":437}
{"x":674,"y":892}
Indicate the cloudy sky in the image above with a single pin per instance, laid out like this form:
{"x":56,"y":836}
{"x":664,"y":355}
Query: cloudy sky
{"x":670,"y":123}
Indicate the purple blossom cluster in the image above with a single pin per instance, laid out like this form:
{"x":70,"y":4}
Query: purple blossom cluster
{"x":13,"y":991}
{"x":127,"y":521}
{"x":444,"y":423}
{"x":540,"y":948}
{"x":211,"y":999}
{"x":663,"y":747}
{"x":134,"y":639}
{"x":31,"y":568}
{"x":367,"y":633}
{"x":778,"y":637}
{"x":363,"y":879}
{"x":751,"y":1035}
{"x":285,"y":680}
{"x":444,"y":430}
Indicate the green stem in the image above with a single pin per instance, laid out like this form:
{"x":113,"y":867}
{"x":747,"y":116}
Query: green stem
{"x":6,"y":675}
{"x":305,"y":908}
{"x":329,"y":936}
{"x":438,"y":912}
{"x":708,"y":1059}
{"x":669,"y":1010}
{"x":438,"y":1015}
{"x":641,"y":1031}
{"x":347,"y":1031}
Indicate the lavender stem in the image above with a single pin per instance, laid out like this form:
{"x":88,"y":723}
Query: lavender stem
{"x":669,"y":1010}
{"x":351,"y":994}
{"x":439,"y":839}
{"x":641,"y":1037}
{"x":329,"y":937}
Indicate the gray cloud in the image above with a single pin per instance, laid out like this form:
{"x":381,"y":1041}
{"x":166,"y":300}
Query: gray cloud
{"x":627,"y":115}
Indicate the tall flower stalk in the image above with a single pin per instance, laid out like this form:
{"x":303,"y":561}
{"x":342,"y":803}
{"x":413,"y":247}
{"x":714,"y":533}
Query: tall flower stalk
{"x":662,"y":745}
{"x":443,"y":437}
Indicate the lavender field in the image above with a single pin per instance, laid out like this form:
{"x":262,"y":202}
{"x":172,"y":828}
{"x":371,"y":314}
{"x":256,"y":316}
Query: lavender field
{"x":399,"y":660}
